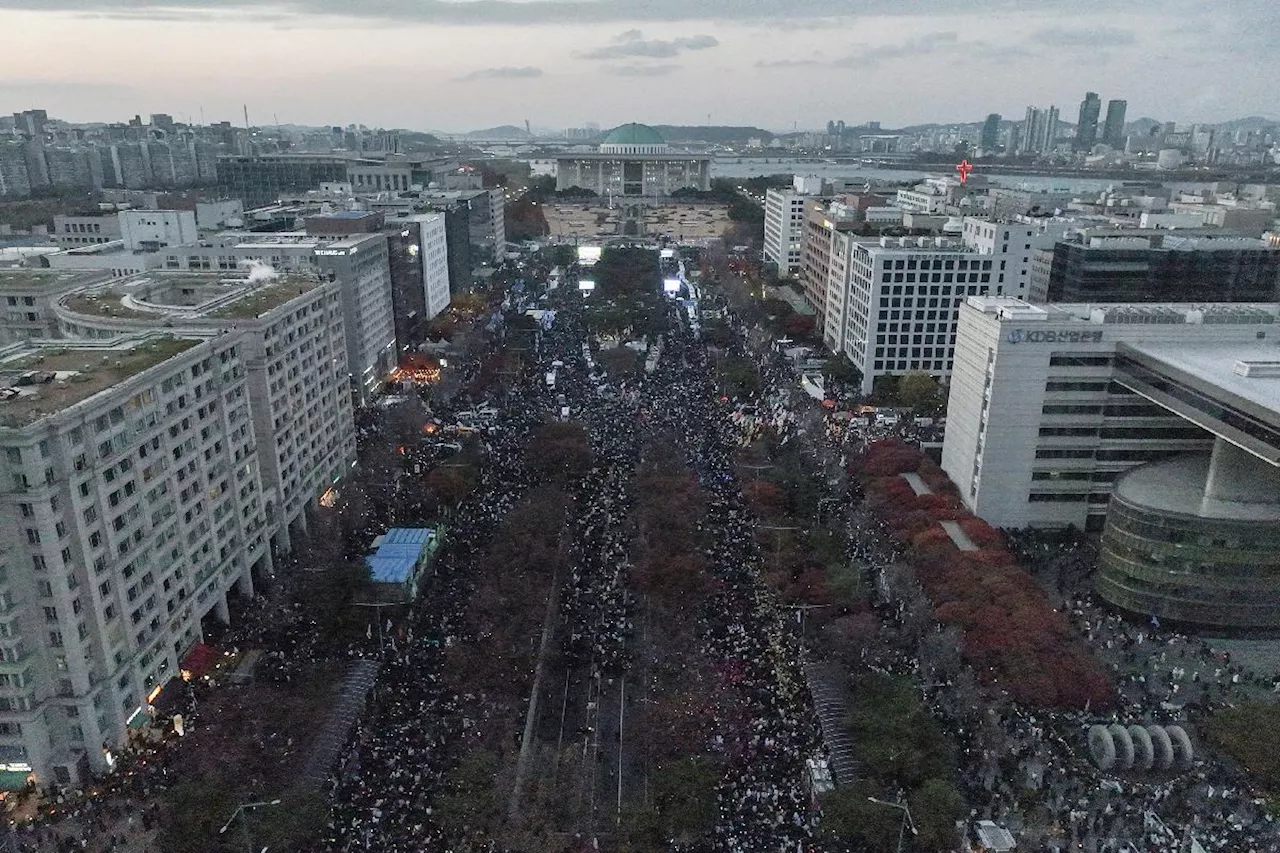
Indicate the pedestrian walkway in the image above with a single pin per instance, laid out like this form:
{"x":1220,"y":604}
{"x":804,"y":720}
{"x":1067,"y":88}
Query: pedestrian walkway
{"x":359,"y":681}
{"x":958,"y":537}
{"x":833,"y":702}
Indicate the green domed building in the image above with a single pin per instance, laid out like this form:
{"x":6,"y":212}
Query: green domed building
{"x":633,"y":160}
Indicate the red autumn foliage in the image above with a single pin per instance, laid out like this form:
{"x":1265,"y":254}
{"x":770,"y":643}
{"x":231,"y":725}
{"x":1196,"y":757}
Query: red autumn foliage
{"x":1013,"y":637}
{"x":764,"y":498}
{"x":982,"y":534}
{"x":889,"y":456}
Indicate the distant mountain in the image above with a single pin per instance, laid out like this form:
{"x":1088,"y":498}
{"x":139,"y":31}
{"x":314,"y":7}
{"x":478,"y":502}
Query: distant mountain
{"x":710,"y":133}
{"x":1247,"y":123}
{"x":505,"y":131}
{"x":1141,"y":126}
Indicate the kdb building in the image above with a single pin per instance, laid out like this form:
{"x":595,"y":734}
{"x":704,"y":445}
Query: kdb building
{"x":1156,"y":424}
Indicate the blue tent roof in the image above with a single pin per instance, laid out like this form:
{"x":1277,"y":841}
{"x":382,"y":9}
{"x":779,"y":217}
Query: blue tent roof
{"x":407,"y":536}
{"x":398,"y":553}
{"x":386,"y":569}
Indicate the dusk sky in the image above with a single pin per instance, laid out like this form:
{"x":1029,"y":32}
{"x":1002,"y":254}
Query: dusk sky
{"x":463,"y":64}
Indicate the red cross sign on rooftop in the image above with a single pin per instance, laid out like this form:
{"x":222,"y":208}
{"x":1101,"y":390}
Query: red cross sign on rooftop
{"x":964,"y":167}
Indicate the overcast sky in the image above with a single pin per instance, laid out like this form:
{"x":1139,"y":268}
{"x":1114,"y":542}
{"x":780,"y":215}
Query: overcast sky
{"x":465,"y":64}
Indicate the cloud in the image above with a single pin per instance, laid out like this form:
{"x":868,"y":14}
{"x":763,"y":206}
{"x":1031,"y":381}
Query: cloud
{"x":872,"y":55}
{"x":506,"y":72}
{"x":633,"y":44}
{"x":787,"y":63}
{"x":514,"y":12}
{"x":1085,"y":36}
{"x":640,"y":70}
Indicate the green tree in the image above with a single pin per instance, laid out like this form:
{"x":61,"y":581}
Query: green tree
{"x":469,"y":804}
{"x":935,"y":807}
{"x":684,"y":794}
{"x":853,"y":821}
{"x":738,"y":376}
{"x":918,"y":391}
{"x":841,"y":369}
{"x":885,"y":388}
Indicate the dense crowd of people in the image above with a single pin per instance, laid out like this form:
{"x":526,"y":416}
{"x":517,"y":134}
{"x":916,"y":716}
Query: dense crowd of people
{"x":1029,"y":772}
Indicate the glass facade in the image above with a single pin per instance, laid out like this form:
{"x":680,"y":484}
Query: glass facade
{"x":1205,"y":571}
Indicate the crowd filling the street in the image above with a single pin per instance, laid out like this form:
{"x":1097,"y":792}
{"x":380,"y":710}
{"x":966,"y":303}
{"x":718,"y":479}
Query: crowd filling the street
{"x":652,"y":538}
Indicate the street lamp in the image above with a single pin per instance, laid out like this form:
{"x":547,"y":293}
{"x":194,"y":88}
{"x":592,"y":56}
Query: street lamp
{"x":906,"y":818}
{"x":244,"y":821}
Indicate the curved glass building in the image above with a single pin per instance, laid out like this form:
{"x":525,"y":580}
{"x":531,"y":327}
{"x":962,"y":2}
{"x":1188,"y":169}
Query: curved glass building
{"x":1197,"y":540}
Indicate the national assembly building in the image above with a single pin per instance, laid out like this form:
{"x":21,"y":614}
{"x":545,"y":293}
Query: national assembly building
{"x":634,"y":161}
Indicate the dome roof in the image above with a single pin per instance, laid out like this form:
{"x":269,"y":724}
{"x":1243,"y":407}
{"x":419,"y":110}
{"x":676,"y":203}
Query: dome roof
{"x":633,"y":134}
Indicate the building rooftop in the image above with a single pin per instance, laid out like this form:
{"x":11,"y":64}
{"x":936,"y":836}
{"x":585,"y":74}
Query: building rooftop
{"x":107,"y":303}
{"x":177,"y":298}
{"x":1177,"y":486}
{"x":44,"y":380}
{"x":266,"y":297}
{"x":1008,"y":308}
{"x":633,"y":134}
{"x":349,"y":214}
{"x":1246,"y":371}
{"x":52,"y":281}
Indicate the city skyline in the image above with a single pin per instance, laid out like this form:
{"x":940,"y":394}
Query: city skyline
{"x":480,"y":63}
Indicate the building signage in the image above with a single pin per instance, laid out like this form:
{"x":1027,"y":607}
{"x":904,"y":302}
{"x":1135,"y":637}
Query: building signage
{"x":331,"y":253}
{"x":1037,"y":336}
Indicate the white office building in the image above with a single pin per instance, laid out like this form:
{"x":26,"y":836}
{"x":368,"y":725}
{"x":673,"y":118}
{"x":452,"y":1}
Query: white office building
{"x":360,"y":265}
{"x":151,"y":230}
{"x":152,"y":464}
{"x":784,"y":229}
{"x":1050,"y":404}
{"x":897,"y":299}
{"x":1015,"y":242}
{"x":70,"y":231}
{"x":293,"y":326}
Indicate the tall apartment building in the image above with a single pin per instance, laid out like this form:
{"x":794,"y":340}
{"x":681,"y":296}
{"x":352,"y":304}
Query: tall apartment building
{"x":360,"y":265}
{"x":784,"y":215}
{"x":901,"y":301}
{"x":1039,"y":131}
{"x":259,"y":180}
{"x":135,"y":502}
{"x":1160,"y":266}
{"x":30,"y":123}
{"x":15,"y":178}
{"x":990,"y":138}
{"x":1113,"y":129}
{"x":1087,"y":125}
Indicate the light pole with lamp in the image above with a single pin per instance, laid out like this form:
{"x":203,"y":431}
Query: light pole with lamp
{"x":906,"y":818}
{"x":244,"y":821}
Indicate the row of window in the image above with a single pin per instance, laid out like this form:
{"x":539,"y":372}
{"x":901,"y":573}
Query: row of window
{"x":1069,"y":498}
{"x":1129,"y":454}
